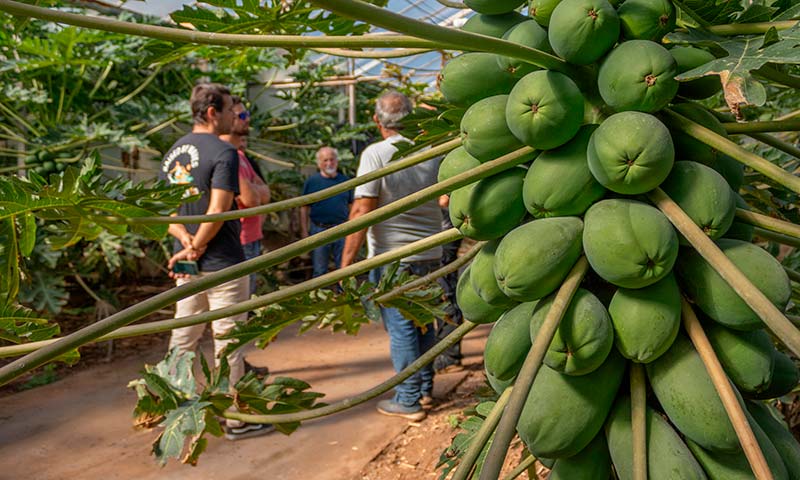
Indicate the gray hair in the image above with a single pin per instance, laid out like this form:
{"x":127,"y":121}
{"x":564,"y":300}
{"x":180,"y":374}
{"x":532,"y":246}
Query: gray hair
{"x":325,"y":149}
{"x":390,"y":109}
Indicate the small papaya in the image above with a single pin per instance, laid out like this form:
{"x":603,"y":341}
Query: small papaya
{"x":747,"y":357}
{"x":785,"y":377}
{"x":542,"y":10}
{"x":484,"y":131}
{"x":509,"y":342}
{"x":482,"y":277}
{"x":529,"y":34}
{"x":455,"y":162}
{"x":472,"y":306}
{"x":461,"y":86}
{"x":767,"y":417}
{"x":493,"y":7}
{"x":689,"y":58}
{"x":493,"y":25}
{"x":646,"y":19}
{"x":582,"y":31}
{"x":491,"y":207}
{"x":591,"y":463}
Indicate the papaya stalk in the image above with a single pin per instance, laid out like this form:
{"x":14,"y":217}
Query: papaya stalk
{"x":777,"y":237}
{"x":395,"y":53}
{"x":483,"y":435}
{"x":755,"y":28}
{"x":768,"y":223}
{"x":776,"y":143}
{"x":533,"y":361}
{"x":791,"y":125}
{"x":793,"y":275}
{"x":773,"y":74}
{"x":638,"y":421}
{"x":525,"y":464}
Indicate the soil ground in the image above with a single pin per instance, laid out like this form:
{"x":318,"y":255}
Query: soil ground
{"x":80,"y":427}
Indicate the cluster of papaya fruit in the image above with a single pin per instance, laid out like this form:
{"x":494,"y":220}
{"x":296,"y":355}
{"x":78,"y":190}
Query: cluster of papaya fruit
{"x":583,"y":194}
{"x":45,"y":162}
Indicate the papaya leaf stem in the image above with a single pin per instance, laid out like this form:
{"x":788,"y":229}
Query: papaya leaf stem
{"x":755,"y":28}
{"x":771,"y":73}
{"x":394,"y":53}
{"x":777,"y":237}
{"x":776,"y":143}
{"x":734,"y":128}
{"x":766,"y":310}
{"x":482,"y":436}
{"x":730,"y":399}
{"x":793,"y":276}
{"x":639,"y":421}
{"x":375,"y":391}
{"x":157,"y":302}
{"x":769,"y":223}
{"x":521,"y":467}
{"x":760,"y":164}
{"x":522,"y":386}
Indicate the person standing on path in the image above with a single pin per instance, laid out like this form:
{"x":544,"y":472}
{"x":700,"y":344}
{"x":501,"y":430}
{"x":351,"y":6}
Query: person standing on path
{"x":210,"y":169}
{"x":327,"y":213}
{"x":407,"y":342}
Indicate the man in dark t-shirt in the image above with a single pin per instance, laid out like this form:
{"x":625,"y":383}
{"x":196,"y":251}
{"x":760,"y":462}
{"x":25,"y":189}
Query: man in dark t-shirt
{"x":209,"y":167}
{"x":326,"y":213}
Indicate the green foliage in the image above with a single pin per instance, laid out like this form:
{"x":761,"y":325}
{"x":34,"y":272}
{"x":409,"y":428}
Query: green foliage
{"x":282,"y":395}
{"x":452,"y":455}
{"x":18,"y":324}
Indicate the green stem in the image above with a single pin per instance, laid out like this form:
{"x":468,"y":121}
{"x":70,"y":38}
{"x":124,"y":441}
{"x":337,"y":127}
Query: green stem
{"x":11,"y":113}
{"x":297,"y":201}
{"x":763,"y":127}
{"x":793,"y":276}
{"x":384,"y":387}
{"x":395,"y":53}
{"x":525,"y":464}
{"x":481,"y":437}
{"x":769,"y":223}
{"x":450,"y":4}
{"x":212,"y":38}
{"x":447,"y":269}
{"x":522,"y":386}
{"x":771,"y":73}
{"x":759,"y":164}
{"x":639,"y":421}
{"x":157,"y":302}
{"x":777,"y":237}
{"x":755,"y":28}
{"x":442,"y":35}
{"x":752,"y":296}
{"x":691,"y":13}
{"x":776,"y":143}
{"x":140,"y":88}
{"x":327,"y":279}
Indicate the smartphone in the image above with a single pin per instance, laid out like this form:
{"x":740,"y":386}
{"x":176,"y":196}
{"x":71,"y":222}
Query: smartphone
{"x":187,"y":267}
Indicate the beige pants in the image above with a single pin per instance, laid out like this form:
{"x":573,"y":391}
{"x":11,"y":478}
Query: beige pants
{"x":225,"y":295}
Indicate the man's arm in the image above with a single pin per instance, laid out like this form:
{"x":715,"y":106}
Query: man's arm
{"x":361,"y":206}
{"x":263,"y":190}
{"x":219,"y":201}
{"x":249,"y":194}
{"x":304,"y":219}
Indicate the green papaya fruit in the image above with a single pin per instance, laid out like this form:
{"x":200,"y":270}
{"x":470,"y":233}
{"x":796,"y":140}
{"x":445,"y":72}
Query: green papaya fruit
{"x":785,"y":377}
{"x":493,"y":25}
{"x":630,"y":153}
{"x":472,"y":306}
{"x":455,"y":162}
{"x":769,"y":419}
{"x":491,"y":207}
{"x":563,"y":413}
{"x":542,"y":10}
{"x":498,"y":385}
{"x":734,"y":466}
{"x":638,"y":75}
{"x":739,"y":230}
{"x":629,"y":243}
{"x":682,"y":385}
{"x":646,"y":320}
{"x":482,"y":277}
{"x":544,"y":109}
{"x":533,"y":259}
{"x":583,"y":338}
{"x":493,"y":7}
{"x":717,"y":299}
{"x":689,"y":58}
{"x":704,"y":195}
{"x":529,"y":34}
{"x":591,"y":463}
{"x":646,"y":19}
{"x":484,"y":131}
{"x":747,"y":357}
{"x":668,"y":458}
{"x":508,"y":342}
{"x":559,"y":182}
{"x":582,"y":31}
{"x":473,"y":76}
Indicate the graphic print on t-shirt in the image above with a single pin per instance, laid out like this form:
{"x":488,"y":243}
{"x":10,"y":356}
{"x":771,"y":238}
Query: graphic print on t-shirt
{"x":185,"y":158}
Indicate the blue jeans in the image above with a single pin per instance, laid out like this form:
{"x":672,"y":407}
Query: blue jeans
{"x":321,"y":256}
{"x":408,"y":342}
{"x":252,"y":250}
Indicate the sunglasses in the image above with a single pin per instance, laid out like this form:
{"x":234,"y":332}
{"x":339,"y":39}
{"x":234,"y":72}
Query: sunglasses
{"x":244,"y":115}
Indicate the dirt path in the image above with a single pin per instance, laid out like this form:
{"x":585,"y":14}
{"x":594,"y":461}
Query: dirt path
{"x":80,"y":427}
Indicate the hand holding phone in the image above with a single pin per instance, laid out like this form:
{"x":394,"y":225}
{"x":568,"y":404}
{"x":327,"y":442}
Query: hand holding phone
{"x":185,"y":267}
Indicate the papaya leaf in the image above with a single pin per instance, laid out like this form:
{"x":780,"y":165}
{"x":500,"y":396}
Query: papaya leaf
{"x":9,"y":261}
{"x":185,"y":421}
{"x":790,"y":13}
{"x":756,"y":13}
{"x":283,"y":395}
{"x":27,"y":234}
{"x":19,"y":324}
{"x":44,"y":291}
{"x":451,"y":456}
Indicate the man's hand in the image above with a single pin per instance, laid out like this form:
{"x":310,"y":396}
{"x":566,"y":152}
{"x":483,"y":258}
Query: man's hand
{"x":188,"y":253}
{"x":353,"y":242}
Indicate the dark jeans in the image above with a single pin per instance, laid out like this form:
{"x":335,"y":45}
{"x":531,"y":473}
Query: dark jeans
{"x":321,"y":256}
{"x":252,"y":250}
{"x":408,"y":342}
{"x":448,"y":283}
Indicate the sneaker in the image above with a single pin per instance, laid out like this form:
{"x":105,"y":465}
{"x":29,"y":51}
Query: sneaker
{"x":394,"y":409}
{"x":248,"y":430}
{"x":261,"y":372}
{"x":427,"y":399}
{"x":452,"y":368}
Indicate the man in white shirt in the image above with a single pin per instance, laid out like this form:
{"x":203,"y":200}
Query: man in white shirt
{"x":407,"y":342}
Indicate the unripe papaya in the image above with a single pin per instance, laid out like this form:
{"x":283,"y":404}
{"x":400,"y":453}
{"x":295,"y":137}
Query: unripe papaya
{"x":533,"y":259}
{"x":493,"y":7}
{"x":747,"y":357}
{"x":668,"y":458}
{"x":498,"y":385}
{"x":591,"y":463}
{"x":482,"y":277}
{"x":542,"y":10}
{"x":646,"y":19}
{"x":472,"y":306}
{"x":629,"y":243}
{"x":785,"y":377}
{"x":687,"y":59}
{"x":717,"y":299}
{"x":484,"y":131}
{"x":509,"y":342}
{"x":563,"y":413}
{"x":630,"y":153}
{"x":491,"y":207}
{"x":559,"y":182}
{"x":704,"y":195}
{"x":472,"y":76}
{"x":455,"y":162}
{"x":581,"y":31}
{"x":493,"y":25}
{"x":529,"y":34}
{"x":767,"y":417}
{"x":583,"y":338}
{"x":638,"y":75}
{"x":646,"y":320}
{"x":544,"y":109}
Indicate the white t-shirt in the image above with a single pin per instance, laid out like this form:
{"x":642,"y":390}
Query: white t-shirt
{"x":412,"y":225}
